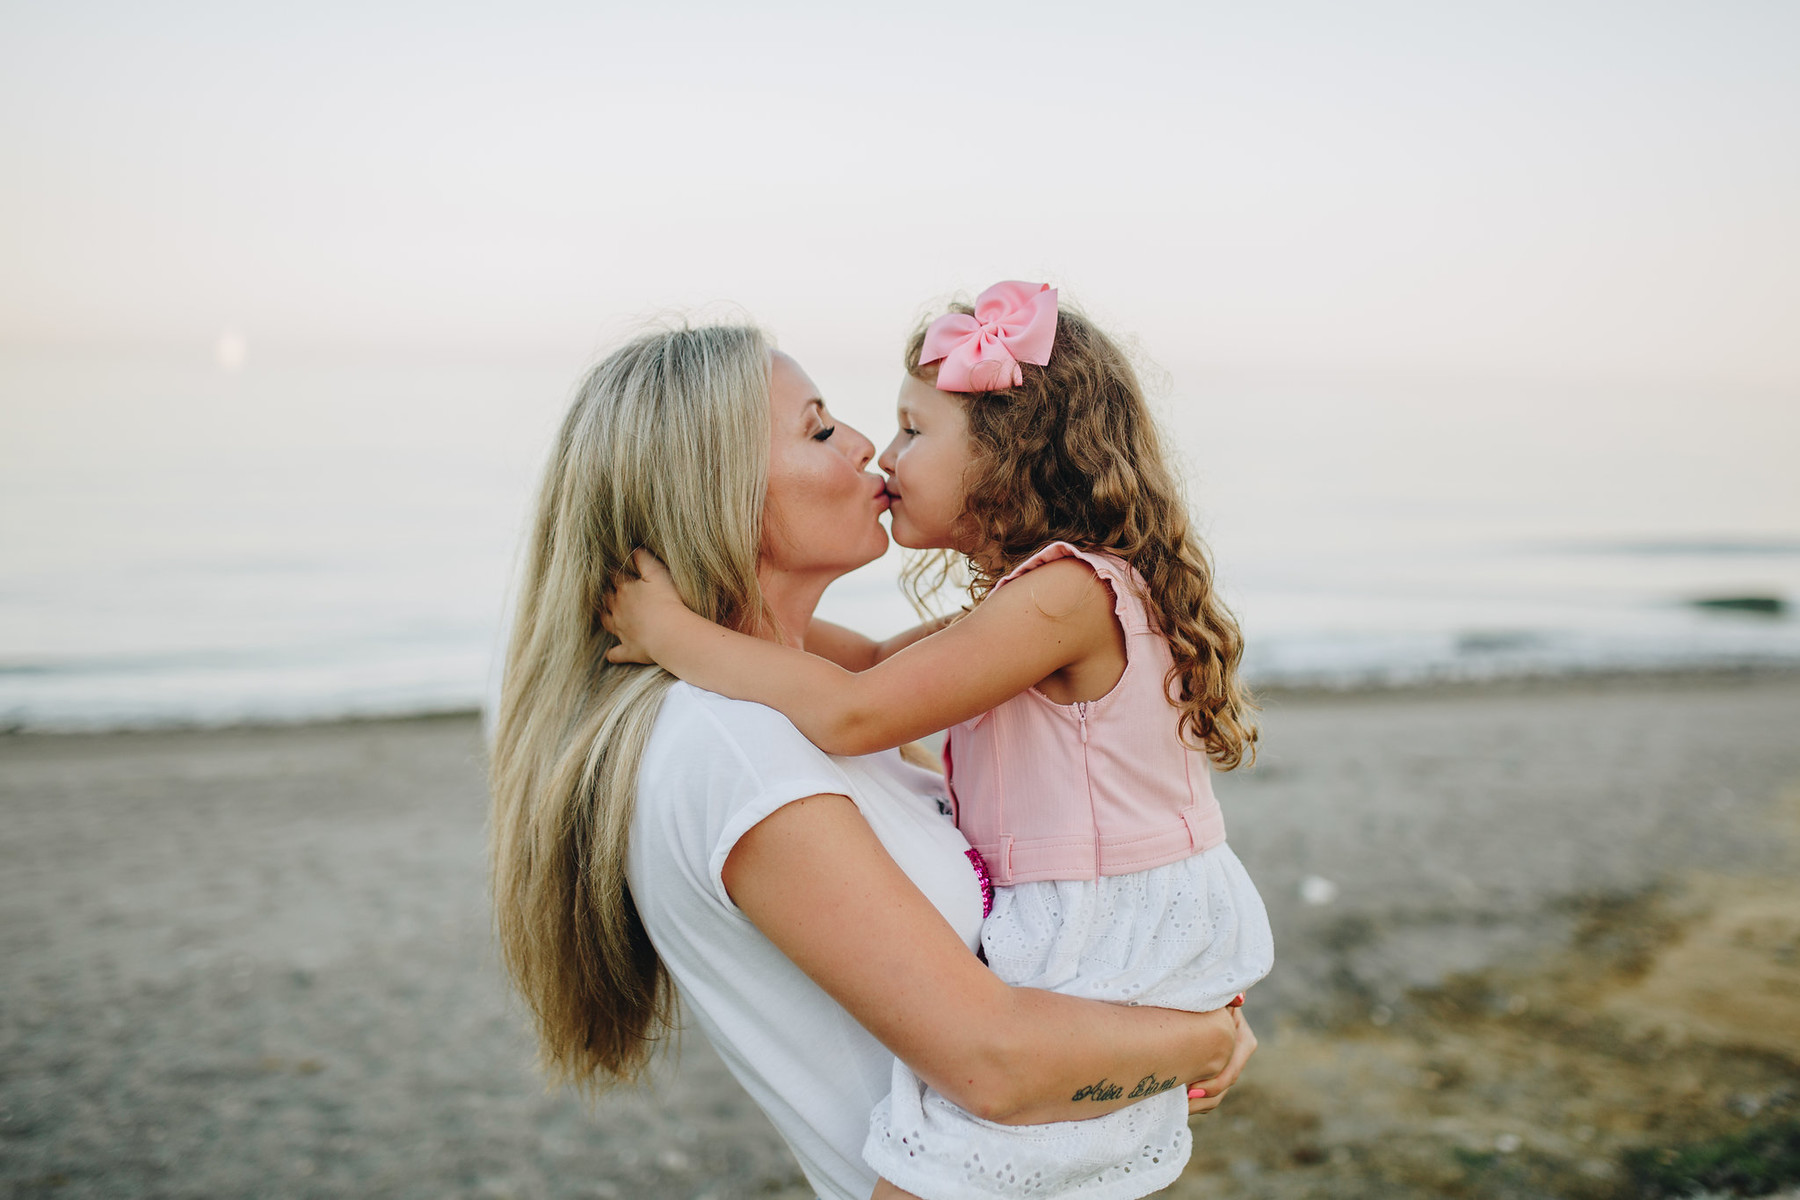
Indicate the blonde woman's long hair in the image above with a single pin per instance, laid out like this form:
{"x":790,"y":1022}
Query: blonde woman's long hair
{"x":665,"y":446}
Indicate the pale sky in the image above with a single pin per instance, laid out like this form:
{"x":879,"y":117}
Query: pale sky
{"x":1577,"y":190}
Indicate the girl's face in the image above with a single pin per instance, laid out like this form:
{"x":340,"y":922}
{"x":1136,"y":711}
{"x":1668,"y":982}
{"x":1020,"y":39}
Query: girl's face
{"x":925,"y":464}
{"x":821,"y":514}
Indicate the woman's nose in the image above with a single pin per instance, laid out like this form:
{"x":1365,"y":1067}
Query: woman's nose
{"x":859,"y":448}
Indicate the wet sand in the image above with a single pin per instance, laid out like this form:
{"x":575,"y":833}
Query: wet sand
{"x":1522,"y":932}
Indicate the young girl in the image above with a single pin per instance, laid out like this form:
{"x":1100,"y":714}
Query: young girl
{"x":1084,"y":693}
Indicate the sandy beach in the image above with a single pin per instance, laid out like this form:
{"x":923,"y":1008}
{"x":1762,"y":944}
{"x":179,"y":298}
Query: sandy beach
{"x":1530,"y":938}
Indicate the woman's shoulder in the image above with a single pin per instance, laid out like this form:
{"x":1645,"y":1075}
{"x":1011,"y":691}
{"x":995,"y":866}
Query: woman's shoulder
{"x":714,"y":760}
{"x":697,"y":722}
{"x":705,"y":742}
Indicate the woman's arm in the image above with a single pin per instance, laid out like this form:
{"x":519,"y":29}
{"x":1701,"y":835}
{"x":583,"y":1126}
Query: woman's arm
{"x":818,"y":883}
{"x":857,"y":652}
{"x":1057,"y":615}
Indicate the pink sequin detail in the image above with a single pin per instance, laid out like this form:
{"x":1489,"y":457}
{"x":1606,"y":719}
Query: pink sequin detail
{"x":987,"y":888}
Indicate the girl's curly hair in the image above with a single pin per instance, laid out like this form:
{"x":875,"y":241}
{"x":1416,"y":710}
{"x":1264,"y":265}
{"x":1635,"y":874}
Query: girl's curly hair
{"x":1073,"y":455}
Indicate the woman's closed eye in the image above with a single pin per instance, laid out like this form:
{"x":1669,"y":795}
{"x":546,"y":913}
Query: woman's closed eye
{"x":824,"y":434}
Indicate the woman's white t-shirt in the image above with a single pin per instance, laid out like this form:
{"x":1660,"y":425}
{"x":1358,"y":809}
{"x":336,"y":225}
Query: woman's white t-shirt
{"x":712,"y":769}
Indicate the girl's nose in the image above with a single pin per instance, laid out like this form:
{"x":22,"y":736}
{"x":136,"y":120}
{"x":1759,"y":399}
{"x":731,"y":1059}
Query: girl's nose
{"x":890,"y":456}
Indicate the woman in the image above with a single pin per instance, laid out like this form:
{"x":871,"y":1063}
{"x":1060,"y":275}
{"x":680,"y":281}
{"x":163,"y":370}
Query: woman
{"x":649,"y":837}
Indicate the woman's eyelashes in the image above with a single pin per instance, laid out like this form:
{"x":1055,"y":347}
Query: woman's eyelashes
{"x":824,"y":434}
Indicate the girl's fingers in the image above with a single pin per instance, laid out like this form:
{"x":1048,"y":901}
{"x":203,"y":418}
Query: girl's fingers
{"x":647,"y":565}
{"x":627,"y":652}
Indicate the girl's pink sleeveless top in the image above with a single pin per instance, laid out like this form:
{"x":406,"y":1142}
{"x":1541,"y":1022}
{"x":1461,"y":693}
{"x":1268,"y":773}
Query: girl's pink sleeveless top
{"x":1077,"y":791}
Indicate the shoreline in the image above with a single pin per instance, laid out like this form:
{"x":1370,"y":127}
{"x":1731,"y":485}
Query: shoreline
{"x":1598,"y":680}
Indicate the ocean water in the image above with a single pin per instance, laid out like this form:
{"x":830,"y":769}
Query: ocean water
{"x":304,"y":538}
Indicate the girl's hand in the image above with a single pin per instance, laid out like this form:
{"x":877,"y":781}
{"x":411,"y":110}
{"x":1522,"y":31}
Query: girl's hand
{"x":640,"y":592}
{"x":1205,"y":1096}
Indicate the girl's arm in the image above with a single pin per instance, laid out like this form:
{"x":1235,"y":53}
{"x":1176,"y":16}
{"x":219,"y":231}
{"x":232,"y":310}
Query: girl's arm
{"x":857,"y":652}
{"x":1057,"y":615}
{"x":815,"y":880}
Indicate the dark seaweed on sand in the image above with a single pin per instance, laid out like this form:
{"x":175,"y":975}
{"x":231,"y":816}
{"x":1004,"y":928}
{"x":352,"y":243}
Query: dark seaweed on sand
{"x":1754,"y":1162}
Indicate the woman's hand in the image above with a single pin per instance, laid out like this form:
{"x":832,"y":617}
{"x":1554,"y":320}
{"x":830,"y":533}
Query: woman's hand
{"x":641,"y":592}
{"x":1204,"y":1096}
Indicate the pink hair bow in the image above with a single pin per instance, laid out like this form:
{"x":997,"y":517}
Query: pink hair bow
{"x":1013,"y":323}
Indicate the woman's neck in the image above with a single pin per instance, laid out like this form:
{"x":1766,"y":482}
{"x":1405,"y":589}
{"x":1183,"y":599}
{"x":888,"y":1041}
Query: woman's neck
{"x":791,"y":597}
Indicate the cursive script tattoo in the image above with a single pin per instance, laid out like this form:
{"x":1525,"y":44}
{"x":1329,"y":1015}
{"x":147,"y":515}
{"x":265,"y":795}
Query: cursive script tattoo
{"x":1150,"y":1085}
{"x":1103,"y":1091}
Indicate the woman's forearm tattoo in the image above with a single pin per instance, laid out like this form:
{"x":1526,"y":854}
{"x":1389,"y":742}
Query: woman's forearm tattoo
{"x":1103,"y":1091}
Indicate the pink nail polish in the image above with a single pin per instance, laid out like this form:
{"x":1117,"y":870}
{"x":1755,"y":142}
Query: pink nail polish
{"x":1198,"y":1093}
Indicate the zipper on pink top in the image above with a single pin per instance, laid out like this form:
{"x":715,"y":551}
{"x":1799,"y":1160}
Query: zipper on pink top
{"x":1087,"y":772}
